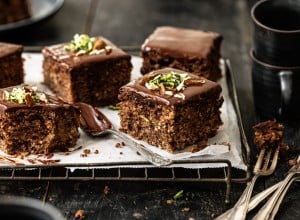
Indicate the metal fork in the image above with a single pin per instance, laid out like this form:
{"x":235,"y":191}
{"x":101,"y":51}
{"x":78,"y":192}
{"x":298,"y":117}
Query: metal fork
{"x":269,"y":210}
{"x":279,"y":201}
{"x":265,"y":165}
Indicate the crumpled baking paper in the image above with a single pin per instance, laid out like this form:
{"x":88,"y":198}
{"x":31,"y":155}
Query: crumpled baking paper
{"x":107,"y":152}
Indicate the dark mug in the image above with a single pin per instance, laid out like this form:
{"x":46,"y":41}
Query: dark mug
{"x":276,"y":90}
{"x":276,"y":34}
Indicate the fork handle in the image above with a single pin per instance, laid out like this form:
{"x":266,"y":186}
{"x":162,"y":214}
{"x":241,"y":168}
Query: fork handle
{"x":152,"y":157}
{"x":240,"y":209}
{"x":255,"y":200}
{"x":279,"y":201}
{"x":266,"y":211}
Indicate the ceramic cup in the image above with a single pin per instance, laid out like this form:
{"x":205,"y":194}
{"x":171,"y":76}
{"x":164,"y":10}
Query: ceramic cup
{"x":276,"y":90}
{"x":276,"y":32}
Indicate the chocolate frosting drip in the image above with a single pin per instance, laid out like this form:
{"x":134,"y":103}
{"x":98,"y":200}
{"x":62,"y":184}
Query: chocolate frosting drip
{"x":6,"y":49}
{"x":180,"y":42}
{"x":191,"y":93}
{"x":91,"y":120}
{"x":52,"y":102}
{"x":57,"y":52}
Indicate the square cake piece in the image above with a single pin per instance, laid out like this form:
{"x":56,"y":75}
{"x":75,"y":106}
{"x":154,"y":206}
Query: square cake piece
{"x":32,"y":122}
{"x":14,"y":10}
{"x":11,"y":64}
{"x":190,"y":50}
{"x":269,"y":135}
{"x":89,"y":70}
{"x":171,"y":109}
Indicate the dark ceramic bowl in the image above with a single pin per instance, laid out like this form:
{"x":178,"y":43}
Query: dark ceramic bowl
{"x":40,"y":12}
{"x":276,"y":31}
{"x":276,"y":90}
{"x":13,"y":207}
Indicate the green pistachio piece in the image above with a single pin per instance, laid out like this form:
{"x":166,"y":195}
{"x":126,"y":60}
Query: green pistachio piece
{"x":19,"y":95}
{"x":171,"y":81}
{"x":81,"y":43}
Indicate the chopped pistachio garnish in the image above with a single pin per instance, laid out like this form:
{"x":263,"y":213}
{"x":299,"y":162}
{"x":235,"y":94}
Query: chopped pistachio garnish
{"x":25,"y":95}
{"x":170,"y":81}
{"x":178,"y":195}
{"x":83,"y":44}
{"x":114,"y":107}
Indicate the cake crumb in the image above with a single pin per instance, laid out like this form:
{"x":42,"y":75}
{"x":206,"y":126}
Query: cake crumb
{"x":185,"y":209}
{"x":170,"y":201}
{"x":80,"y":214}
{"x":269,"y":134}
{"x":137,"y":215}
{"x":32,"y":161}
{"x":106,"y":190}
{"x":50,"y":155}
{"x":87,"y":151}
{"x":118,"y":145}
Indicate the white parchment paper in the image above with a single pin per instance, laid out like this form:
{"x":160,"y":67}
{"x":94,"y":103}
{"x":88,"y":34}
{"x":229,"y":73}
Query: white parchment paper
{"x":103,"y":150}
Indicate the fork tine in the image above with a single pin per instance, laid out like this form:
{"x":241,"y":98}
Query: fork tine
{"x":259,"y":160}
{"x":273,"y":164}
{"x":267,"y":160}
{"x":275,"y":159}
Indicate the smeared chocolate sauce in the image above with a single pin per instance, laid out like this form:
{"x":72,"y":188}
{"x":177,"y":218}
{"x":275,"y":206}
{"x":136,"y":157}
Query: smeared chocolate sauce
{"x":92,"y":120}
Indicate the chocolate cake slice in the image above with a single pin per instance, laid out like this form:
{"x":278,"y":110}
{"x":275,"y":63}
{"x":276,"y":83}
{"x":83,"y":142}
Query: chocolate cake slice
{"x":32,"y":122}
{"x":171,"y":109}
{"x":190,"y":50}
{"x":14,"y":10}
{"x":89,"y":70}
{"x":269,"y":135}
{"x":11,"y":64}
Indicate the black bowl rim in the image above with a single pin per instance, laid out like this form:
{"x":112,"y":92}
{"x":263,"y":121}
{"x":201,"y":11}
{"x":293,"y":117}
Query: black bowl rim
{"x":32,"y":203}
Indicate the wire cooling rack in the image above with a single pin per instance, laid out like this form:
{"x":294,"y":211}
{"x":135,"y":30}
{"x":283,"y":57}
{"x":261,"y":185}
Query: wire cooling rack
{"x":226,"y":174}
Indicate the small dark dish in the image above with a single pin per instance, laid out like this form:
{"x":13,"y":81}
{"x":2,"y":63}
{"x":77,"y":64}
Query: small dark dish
{"x":40,"y":10}
{"x":13,"y":207}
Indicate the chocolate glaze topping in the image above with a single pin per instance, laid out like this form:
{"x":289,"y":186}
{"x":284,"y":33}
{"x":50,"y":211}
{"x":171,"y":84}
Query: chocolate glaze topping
{"x":57,"y":52}
{"x":6,"y":49}
{"x":179,"y":42}
{"x":92,"y":121}
{"x":191,"y":92}
{"x":52,"y":102}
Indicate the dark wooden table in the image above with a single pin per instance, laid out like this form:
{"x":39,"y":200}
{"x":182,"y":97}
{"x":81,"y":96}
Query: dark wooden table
{"x":128,"y":23}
